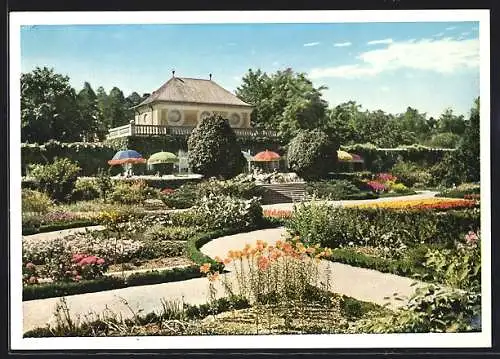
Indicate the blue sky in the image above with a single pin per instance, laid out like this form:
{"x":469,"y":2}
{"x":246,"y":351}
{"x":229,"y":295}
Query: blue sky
{"x":388,"y":66}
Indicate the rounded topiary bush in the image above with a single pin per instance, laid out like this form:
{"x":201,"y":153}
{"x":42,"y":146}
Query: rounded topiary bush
{"x":213,"y":150}
{"x":312,"y":154}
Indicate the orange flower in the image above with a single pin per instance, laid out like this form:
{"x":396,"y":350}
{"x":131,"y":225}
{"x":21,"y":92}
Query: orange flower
{"x":213,"y":277}
{"x":227,"y":260}
{"x":205,"y":268}
{"x":263,"y":263}
{"x":287,"y":248}
{"x":279,"y":243}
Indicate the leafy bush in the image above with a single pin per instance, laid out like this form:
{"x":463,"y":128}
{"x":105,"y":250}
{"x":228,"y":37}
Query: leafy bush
{"x":57,"y":179}
{"x":332,"y":189}
{"x":172,"y":233}
{"x":410,"y":174}
{"x":218,"y":212}
{"x":460,"y":267}
{"x":213,"y":150}
{"x":339,"y":227}
{"x":35,"y":201}
{"x":85,"y":190}
{"x":431,"y":309}
{"x":445,"y":140}
{"x":400,"y":188}
{"x":132,"y":193}
{"x":311,"y":154}
{"x":183,"y":197}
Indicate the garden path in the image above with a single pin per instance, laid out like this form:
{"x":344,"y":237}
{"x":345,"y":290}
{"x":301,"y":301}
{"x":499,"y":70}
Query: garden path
{"x":359,"y":283}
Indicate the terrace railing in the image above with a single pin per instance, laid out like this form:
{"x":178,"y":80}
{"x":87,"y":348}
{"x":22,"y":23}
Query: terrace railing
{"x":159,"y":130}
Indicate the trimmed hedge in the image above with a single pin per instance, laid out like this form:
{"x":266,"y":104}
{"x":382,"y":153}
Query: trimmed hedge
{"x":26,"y":231}
{"x":60,"y":289}
{"x":404,"y":268}
{"x":379,"y":159}
{"x":89,"y":156}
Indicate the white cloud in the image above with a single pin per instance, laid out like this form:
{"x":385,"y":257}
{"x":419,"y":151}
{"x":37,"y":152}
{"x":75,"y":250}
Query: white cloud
{"x":438,"y":34}
{"x":309,"y":44}
{"x":342,"y":44}
{"x":275,"y":63}
{"x":377,"y":42}
{"x":450,"y":28}
{"x":465,"y":33}
{"x":236,"y":78}
{"x":231,"y":44}
{"x":439,"y":55}
{"x":385,"y":89}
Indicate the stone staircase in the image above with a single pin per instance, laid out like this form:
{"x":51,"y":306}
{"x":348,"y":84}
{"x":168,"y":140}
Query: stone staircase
{"x":284,"y":192}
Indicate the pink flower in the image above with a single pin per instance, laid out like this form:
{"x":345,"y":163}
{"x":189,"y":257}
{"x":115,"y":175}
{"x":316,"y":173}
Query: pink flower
{"x":376,"y":186}
{"x":78,"y":278}
{"x":33,"y":280}
{"x":471,"y":238}
{"x":77,"y":257}
{"x":30,"y":265}
{"x":100,"y":261}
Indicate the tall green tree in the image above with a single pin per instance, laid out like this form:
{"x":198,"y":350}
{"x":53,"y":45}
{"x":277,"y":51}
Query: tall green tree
{"x":89,"y":110}
{"x":49,"y":107}
{"x":117,"y":108}
{"x":414,"y":122}
{"x":130,"y":101}
{"x":449,"y":122}
{"x":285,"y":101}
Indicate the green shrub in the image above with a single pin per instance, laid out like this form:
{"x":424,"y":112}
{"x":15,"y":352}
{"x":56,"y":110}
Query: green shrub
{"x":332,"y":189}
{"x":183,"y":197}
{"x":218,"y":212}
{"x":152,"y":249}
{"x":173,"y":233}
{"x":132,"y":193}
{"x":311,"y":154}
{"x":213,"y":150}
{"x":57,"y":179}
{"x":35,"y":201}
{"x":85,"y":190}
{"x":31,"y":223}
{"x":409,"y":174}
{"x":400,"y":188}
{"x":431,"y":309}
{"x":339,"y":227}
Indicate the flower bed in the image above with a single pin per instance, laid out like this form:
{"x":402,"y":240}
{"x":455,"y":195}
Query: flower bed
{"x":419,"y":204}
